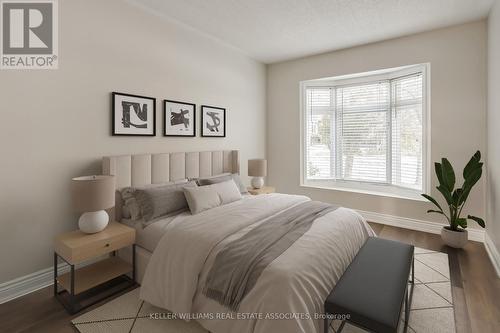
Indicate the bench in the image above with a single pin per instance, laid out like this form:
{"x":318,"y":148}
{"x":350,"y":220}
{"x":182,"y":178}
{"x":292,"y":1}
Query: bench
{"x":371,"y":292}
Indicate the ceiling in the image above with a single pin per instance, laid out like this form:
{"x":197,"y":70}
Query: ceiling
{"x":276,"y":30}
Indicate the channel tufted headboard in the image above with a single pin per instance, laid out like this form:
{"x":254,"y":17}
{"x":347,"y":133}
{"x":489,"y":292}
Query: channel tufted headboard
{"x":145,"y":169}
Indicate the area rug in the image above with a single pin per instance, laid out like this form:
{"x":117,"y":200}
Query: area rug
{"x":431,"y":310}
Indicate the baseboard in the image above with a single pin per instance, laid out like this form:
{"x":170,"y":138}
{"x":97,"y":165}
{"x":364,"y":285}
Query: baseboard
{"x":32,"y":282}
{"x":29,"y":283}
{"x":493,"y":253}
{"x":413,"y":224}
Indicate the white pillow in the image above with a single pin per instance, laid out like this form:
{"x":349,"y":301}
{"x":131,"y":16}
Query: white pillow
{"x":201,"y":198}
{"x":228,"y":191}
{"x":205,"y":197}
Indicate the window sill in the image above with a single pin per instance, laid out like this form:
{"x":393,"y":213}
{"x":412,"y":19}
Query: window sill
{"x":376,"y":190}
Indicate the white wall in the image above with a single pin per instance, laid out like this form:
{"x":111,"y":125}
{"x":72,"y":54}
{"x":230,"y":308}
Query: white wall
{"x":458,"y":109}
{"x":55,"y":125}
{"x":493,"y":194}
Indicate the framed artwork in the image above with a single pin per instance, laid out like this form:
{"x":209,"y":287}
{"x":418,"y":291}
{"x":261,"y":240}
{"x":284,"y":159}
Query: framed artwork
{"x":179,"y":118}
{"x":133,"y":115}
{"x":213,"y":121}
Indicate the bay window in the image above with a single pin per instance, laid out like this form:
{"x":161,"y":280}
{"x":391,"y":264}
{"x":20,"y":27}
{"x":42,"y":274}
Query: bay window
{"x":367,"y":132}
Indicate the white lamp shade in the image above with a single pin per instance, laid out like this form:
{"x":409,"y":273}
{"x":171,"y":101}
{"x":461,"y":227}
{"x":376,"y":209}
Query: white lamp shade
{"x":257,"y":168}
{"x":93,"y":193}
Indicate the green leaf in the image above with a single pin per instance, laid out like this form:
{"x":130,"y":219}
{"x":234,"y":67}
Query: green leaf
{"x":474,"y":176}
{"x":465,"y":194}
{"x":472,"y":164}
{"x":446,"y":194}
{"x":462,"y":222}
{"x":448,"y":174}
{"x":431,"y":199}
{"x":436,"y":211}
{"x":478,"y":220}
{"x":456,"y":196}
{"x":439,"y":172}
{"x":472,"y":179}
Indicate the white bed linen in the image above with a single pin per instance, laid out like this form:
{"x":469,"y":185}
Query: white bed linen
{"x":297,"y":282}
{"x":150,"y":236}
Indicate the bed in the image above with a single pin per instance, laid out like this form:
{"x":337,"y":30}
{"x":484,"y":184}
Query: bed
{"x":175,"y":254}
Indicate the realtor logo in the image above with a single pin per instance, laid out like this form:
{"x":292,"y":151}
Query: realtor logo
{"x":29,"y":34}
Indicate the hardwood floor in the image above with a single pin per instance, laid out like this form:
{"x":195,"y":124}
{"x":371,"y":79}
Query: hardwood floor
{"x":476,"y":291}
{"x":475,"y":285}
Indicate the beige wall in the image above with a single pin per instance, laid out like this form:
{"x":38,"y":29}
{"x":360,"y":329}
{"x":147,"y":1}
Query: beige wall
{"x":493,"y":193}
{"x":56,"y":124}
{"x":458,"y":108}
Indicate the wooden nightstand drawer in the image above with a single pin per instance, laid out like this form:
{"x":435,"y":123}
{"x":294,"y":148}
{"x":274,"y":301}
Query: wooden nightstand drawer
{"x":76,"y":246}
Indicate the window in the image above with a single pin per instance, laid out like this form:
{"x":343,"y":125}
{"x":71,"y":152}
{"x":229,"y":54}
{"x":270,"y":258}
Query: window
{"x":367,"y":132}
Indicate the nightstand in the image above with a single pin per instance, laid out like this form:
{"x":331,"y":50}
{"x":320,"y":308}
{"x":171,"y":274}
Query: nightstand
{"x":92,"y":283}
{"x":262,"y":190}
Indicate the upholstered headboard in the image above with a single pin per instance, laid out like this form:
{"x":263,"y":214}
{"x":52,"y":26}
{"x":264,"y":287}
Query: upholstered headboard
{"x":145,"y":169}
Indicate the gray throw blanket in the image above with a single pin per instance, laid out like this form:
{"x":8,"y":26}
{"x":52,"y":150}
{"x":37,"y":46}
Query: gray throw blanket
{"x":240,"y":263}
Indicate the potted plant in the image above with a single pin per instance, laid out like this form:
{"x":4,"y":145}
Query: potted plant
{"x":455,"y":235}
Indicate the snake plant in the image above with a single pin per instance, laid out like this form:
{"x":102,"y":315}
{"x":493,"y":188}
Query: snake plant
{"x":456,"y":197}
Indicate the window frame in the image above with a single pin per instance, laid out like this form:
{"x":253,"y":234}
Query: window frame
{"x":372,"y":188}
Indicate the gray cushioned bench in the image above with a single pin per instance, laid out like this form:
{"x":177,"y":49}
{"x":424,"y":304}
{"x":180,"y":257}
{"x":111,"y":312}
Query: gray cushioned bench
{"x":371,"y":292}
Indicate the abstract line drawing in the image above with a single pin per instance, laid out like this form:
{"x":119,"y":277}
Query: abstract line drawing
{"x":214,"y":127}
{"x":178,"y":118}
{"x":133,"y":115}
{"x":213,"y":121}
{"x":142,"y":114}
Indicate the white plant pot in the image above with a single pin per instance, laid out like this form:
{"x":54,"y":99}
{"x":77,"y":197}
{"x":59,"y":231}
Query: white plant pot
{"x":456,"y":239}
{"x":92,"y":222}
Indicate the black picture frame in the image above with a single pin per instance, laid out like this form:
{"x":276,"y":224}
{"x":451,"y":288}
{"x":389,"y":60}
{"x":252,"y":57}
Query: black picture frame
{"x":165,"y":118}
{"x":203,"y":127}
{"x":115,"y":130}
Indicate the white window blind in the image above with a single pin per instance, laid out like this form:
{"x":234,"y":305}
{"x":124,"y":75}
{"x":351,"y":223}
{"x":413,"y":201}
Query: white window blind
{"x":320,"y":140}
{"x":370,"y":131}
{"x":362,"y":113}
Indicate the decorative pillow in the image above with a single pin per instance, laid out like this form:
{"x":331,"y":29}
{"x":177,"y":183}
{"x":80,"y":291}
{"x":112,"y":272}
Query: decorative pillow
{"x":201,"y":198}
{"x":205,"y":197}
{"x":227,"y":191}
{"x":157,"y":200}
{"x":126,"y":212}
{"x":222,"y":178}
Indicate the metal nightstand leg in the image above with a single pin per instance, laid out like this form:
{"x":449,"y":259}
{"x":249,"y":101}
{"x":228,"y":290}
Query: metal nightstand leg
{"x":55,"y":274}
{"x":133,"y":263}
{"x":74,"y":303}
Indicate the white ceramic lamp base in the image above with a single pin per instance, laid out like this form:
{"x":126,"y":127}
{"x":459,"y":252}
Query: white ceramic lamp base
{"x":257,"y":182}
{"x":92,"y":222}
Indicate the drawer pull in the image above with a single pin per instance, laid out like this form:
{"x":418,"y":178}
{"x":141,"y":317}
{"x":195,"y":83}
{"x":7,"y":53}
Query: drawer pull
{"x":107,"y":245}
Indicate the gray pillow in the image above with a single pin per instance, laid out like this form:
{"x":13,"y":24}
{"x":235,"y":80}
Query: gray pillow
{"x":210,"y":196}
{"x":201,"y":198}
{"x":130,"y":208}
{"x":223,"y":178}
{"x":150,"y":203}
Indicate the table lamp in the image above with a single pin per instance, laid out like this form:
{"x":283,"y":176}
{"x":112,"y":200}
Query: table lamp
{"x":257,"y":168}
{"x":91,"y":196}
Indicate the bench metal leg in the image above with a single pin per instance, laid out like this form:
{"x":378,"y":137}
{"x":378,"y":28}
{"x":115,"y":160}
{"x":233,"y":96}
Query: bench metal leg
{"x":409,"y":294}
